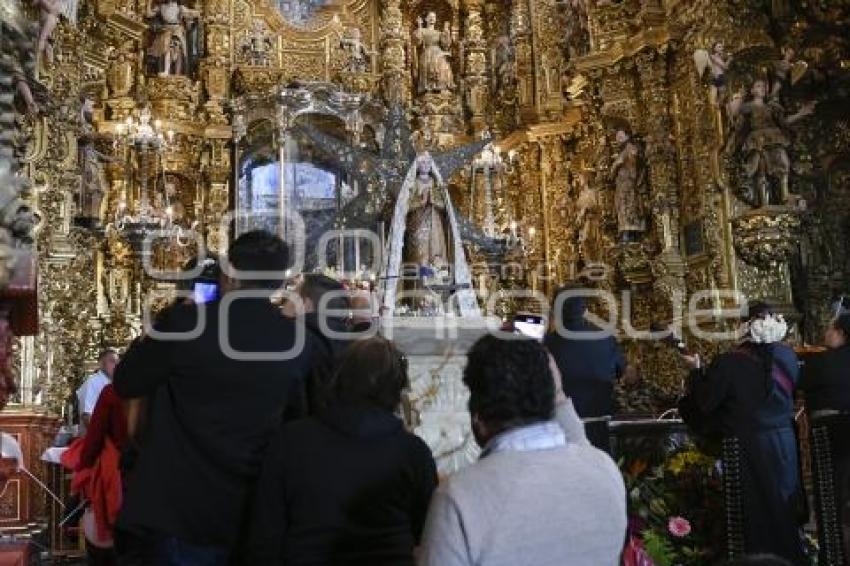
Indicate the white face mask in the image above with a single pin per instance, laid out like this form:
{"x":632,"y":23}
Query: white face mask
{"x":768,"y":329}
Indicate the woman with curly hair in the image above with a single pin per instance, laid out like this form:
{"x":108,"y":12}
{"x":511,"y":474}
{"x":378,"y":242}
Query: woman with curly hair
{"x":749,"y":393}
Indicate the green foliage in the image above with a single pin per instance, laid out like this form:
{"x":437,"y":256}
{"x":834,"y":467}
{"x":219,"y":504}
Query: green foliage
{"x":659,"y":548}
{"x":681,"y":482}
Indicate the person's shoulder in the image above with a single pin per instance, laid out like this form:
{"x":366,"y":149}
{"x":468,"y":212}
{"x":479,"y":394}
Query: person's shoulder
{"x":417,"y":447}
{"x":596,"y":466}
{"x":784,"y":350}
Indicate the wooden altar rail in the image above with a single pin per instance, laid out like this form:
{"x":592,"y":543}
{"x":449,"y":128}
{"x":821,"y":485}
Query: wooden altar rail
{"x":23,"y":504}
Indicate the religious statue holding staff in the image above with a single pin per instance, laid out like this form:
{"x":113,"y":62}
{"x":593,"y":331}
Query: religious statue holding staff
{"x":434,"y":71}
{"x":171,"y":46}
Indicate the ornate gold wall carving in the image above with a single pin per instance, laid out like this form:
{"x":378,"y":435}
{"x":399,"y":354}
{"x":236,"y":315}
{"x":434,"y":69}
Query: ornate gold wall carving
{"x":552,"y":102}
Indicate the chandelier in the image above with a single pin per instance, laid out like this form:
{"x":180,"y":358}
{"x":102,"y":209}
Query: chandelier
{"x":145,"y":208}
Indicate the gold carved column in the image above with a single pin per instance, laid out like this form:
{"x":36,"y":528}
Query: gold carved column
{"x":475,"y":77}
{"x":668,"y":266}
{"x":215,"y":68}
{"x":523,"y":44}
{"x":393,"y":79}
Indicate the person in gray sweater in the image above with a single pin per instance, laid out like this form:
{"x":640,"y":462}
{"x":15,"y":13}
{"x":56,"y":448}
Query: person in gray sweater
{"x":540,"y":494}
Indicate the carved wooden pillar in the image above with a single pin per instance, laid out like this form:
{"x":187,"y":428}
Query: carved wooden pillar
{"x":215,"y":68}
{"x":522,"y":36}
{"x":218,"y":194}
{"x":475,"y":76}
{"x":660,"y":147}
{"x":393,"y":80}
{"x":661,"y":161}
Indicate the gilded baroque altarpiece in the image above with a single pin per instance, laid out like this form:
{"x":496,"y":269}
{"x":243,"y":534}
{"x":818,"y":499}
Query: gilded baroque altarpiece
{"x":634,"y":147}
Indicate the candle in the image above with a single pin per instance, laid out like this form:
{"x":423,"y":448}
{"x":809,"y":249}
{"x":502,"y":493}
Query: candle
{"x":716,"y":302}
{"x":513,"y":229}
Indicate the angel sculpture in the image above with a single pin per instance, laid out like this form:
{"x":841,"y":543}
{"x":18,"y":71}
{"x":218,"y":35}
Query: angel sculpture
{"x":760,"y":135}
{"x":718,"y":62}
{"x":786,"y":71}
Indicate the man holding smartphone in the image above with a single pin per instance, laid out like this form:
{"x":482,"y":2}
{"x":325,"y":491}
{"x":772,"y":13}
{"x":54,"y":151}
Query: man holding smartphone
{"x":223,"y":375}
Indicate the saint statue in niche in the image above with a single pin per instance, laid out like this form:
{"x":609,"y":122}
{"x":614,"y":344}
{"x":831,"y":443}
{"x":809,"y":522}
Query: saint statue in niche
{"x":175,"y":42}
{"x":629,"y":176}
{"x":434,"y":73}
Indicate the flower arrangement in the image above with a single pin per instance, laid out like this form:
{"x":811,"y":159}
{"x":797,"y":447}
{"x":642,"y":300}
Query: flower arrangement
{"x":768,"y":329}
{"x":675,"y":509}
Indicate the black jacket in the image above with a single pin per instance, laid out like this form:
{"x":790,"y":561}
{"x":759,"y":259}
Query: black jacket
{"x":589,"y":368}
{"x":213,"y":416}
{"x":826,"y":380}
{"x":327,"y":351}
{"x":349,"y":487}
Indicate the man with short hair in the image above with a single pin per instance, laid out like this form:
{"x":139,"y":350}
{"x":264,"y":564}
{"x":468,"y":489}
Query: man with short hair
{"x":89,"y":392}
{"x":540,"y":493}
{"x":217,"y":399}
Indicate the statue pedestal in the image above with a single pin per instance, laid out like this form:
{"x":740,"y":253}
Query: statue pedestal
{"x":436,"y":405}
{"x":440,"y":114}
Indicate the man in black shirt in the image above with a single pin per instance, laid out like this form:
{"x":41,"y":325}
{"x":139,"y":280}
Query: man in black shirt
{"x":218,"y":396}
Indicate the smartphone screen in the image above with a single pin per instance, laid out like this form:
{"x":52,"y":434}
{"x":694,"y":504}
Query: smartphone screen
{"x":530,"y":325}
{"x":205,"y":292}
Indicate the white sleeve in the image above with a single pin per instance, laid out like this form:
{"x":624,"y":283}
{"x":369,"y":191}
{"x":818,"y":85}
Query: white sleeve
{"x":82,"y":392}
{"x":92,"y":394}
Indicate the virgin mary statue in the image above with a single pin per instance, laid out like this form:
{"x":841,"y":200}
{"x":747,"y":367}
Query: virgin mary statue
{"x":424,"y":231}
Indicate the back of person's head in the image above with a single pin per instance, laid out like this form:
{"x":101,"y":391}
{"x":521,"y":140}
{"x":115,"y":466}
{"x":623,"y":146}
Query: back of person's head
{"x":107,"y":360}
{"x":371,"y":373}
{"x":758,"y":560}
{"x":510,"y":382}
{"x":842,"y":324}
{"x":315,"y":286}
{"x":838,"y":334}
{"x":255,"y":253}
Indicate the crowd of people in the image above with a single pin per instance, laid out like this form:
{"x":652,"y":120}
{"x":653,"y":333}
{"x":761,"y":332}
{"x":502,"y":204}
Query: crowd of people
{"x":203,"y":449}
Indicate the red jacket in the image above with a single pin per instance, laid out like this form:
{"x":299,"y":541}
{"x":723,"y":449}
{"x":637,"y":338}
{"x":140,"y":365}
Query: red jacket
{"x":96,"y":459}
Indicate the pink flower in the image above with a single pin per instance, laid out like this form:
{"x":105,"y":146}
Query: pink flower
{"x":679,"y":527}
